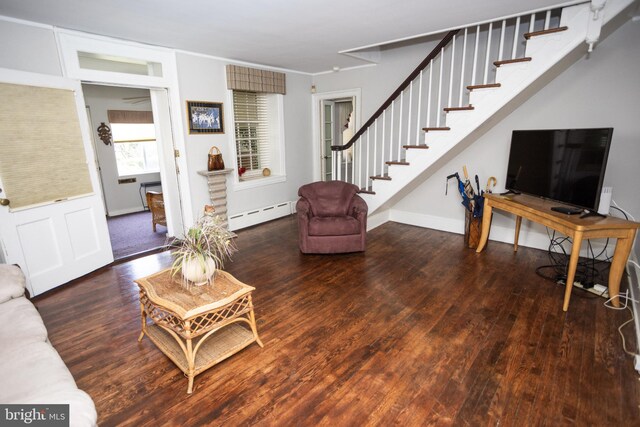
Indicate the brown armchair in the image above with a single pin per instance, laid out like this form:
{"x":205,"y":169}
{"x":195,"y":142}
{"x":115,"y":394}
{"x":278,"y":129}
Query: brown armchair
{"x":155,"y":201}
{"x":332,"y":218}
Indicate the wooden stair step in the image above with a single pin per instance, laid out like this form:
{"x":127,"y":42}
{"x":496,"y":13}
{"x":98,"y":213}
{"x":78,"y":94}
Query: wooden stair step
{"x":467,"y":108}
{"x":366,"y":191}
{"x":382,"y":177}
{"x":543,"y":32}
{"x":487,"y":86}
{"x":421,"y":146}
{"x":397,"y":162}
{"x":436,"y":129}
{"x":512,"y":61}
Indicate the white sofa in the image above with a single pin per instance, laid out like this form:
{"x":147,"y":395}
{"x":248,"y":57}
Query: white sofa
{"x":31,"y":370}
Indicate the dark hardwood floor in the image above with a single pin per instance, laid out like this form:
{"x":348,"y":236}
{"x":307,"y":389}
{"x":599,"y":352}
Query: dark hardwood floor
{"x":416,"y":331}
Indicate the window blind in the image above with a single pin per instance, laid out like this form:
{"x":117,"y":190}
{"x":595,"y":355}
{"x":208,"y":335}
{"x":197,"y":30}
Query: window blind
{"x":251,"y":131}
{"x":129,"y":116}
{"x":254,"y":80}
{"x":42,"y":153}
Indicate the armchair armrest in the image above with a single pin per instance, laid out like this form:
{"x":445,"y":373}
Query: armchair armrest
{"x":358,"y":208}
{"x":303,"y":208}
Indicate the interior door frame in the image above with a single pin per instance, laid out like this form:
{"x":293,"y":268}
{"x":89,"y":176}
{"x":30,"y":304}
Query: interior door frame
{"x":164,"y":93}
{"x":316,"y":111}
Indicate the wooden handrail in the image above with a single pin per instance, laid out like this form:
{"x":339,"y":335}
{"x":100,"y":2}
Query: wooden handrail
{"x":445,"y":41}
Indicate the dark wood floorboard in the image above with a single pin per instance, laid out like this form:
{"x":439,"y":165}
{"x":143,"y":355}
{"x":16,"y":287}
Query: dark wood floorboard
{"x":416,"y":331}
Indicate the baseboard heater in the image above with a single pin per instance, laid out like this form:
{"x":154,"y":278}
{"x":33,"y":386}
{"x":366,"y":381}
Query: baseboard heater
{"x":258,"y":216}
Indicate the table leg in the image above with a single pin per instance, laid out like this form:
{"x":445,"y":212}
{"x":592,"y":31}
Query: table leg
{"x":620,"y":256}
{"x":515,"y":239}
{"x":143,"y":317}
{"x":573,"y":264}
{"x":191,"y":362}
{"x":252,"y":322}
{"x":486,"y":225}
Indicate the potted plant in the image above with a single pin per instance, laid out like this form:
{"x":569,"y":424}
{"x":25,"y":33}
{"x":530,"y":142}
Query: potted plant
{"x":205,"y":248}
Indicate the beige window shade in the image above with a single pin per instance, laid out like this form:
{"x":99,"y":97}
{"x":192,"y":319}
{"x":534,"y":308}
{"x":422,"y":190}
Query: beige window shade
{"x":42,"y":156}
{"x":128,"y":116}
{"x":254,"y":80}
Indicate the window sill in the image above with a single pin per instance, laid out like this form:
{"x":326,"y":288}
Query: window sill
{"x":259,"y":182}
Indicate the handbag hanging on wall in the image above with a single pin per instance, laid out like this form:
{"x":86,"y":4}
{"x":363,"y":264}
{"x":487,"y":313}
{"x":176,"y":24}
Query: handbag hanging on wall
{"x":215,"y":162}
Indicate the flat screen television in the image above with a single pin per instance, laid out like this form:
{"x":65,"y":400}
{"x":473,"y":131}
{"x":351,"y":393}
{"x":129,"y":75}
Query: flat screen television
{"x":565,"y":165}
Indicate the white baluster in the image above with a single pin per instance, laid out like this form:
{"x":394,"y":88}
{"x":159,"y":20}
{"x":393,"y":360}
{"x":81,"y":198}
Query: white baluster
{"x":453,"y":58}
{"x":547,"y":20}
{"x":475,"y":56}
{"x":366,"y":175}
{"x":440,"y":89}
{"x":532,"y":22}
{"x":409,"y":113}
{"x":391,"y":122}
{"x":502,"y":31}
{"x":360,"y":162}
{"x":487,"y":56}
{"x":339,"y":165}
{"x":418,"y":118}
{"x":384,"y":124}
{"x":375,"y":148}
{"x":464,"y":54}
{"x":429,"y":96}
{"x":334,"y":157}
{"x":516,"y":33}
{"x":400,"y":125}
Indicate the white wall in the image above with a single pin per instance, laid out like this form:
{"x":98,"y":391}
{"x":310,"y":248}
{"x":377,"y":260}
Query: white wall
{"x":599,"y":91}
{"x":28,"y":48}
{"x":204,"y":79}
{"x":120,"y":198}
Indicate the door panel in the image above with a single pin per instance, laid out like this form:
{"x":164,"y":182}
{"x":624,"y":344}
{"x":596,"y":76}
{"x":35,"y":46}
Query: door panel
{"x":58,"y":241}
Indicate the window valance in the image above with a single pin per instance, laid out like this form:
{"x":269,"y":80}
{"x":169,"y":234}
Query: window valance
{"x":254,"y":80}
{"x":128,"y":116}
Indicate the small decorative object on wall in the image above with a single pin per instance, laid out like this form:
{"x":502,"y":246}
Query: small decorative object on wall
{"x":215,"y":162}
{"x":104,"y":132}
{"x":205,"y":117}
{"x":266,"y":172}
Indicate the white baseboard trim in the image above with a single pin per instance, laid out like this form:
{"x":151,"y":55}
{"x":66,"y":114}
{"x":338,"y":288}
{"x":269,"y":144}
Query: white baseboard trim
{"x":258,"y":216}
{"x":125,"y":211}
{"x":528,"y":237}
{"x":377,"y":219}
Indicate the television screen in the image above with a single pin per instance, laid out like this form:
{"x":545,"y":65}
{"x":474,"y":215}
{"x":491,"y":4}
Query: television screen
{"x":565,"y":165}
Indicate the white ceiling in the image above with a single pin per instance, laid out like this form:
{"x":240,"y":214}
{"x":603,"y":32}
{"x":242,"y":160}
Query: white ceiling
{"x":303,"y":35}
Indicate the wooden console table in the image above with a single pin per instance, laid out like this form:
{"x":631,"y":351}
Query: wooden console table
{"x":539,"y":210}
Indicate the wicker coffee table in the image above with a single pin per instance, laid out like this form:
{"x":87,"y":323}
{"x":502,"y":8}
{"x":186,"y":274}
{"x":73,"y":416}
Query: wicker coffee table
{"x":197,"y":326}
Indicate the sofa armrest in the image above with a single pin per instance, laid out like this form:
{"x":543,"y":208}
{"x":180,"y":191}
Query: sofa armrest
{"x":12,"y":282}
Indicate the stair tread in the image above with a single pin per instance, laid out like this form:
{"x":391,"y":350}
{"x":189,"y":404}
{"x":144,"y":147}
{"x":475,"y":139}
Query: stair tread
{"x":437,"y":129}
{"x":366,"y":191}
{"x":543,"y":32}
{"x":487,"y":86}
{"x":511,"y":61}
{"x":382,"y":177}
{"x":398,"y":162}
{"x":467,"y":108}
{"x":422,"y":146}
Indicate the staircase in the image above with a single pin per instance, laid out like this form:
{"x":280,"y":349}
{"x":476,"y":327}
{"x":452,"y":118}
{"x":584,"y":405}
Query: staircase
{"x":470,"y":75}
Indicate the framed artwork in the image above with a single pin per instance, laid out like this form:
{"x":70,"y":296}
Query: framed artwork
{"x":205,"y":117}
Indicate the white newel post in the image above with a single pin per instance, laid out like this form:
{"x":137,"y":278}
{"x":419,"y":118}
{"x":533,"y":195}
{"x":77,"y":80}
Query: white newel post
{"x":217,"y":182}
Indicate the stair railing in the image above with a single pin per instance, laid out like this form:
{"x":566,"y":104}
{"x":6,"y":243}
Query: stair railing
{"x":439,"y":84}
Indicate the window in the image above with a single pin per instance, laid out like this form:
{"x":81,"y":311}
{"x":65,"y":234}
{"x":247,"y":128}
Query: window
{"x":135,"y":148}
{"x":256,"y":117}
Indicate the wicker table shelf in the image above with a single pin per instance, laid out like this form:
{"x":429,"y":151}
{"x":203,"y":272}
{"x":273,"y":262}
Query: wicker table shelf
{"x":197,"y":327}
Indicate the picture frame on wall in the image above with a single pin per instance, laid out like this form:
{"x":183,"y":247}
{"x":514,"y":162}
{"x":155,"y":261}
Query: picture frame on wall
{"x":205,"y":117}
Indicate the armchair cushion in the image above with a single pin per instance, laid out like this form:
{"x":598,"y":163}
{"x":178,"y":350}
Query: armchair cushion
{"x":333,"y":226}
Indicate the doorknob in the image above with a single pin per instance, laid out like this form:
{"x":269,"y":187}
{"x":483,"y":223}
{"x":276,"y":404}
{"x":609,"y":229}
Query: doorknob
{"x":4,"y":202}
{"x":326,"y":157}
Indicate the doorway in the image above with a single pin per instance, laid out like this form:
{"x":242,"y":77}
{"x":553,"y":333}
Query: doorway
{"x":337,"y":119}
{"x":128,"y":166}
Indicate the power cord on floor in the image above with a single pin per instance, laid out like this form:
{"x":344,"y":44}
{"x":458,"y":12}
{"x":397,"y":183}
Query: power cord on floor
{"x":626,"y":298}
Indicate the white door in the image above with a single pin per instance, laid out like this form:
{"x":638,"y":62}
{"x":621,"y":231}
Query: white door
{"x":326,"y":136}
{"x":56,"y":242}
